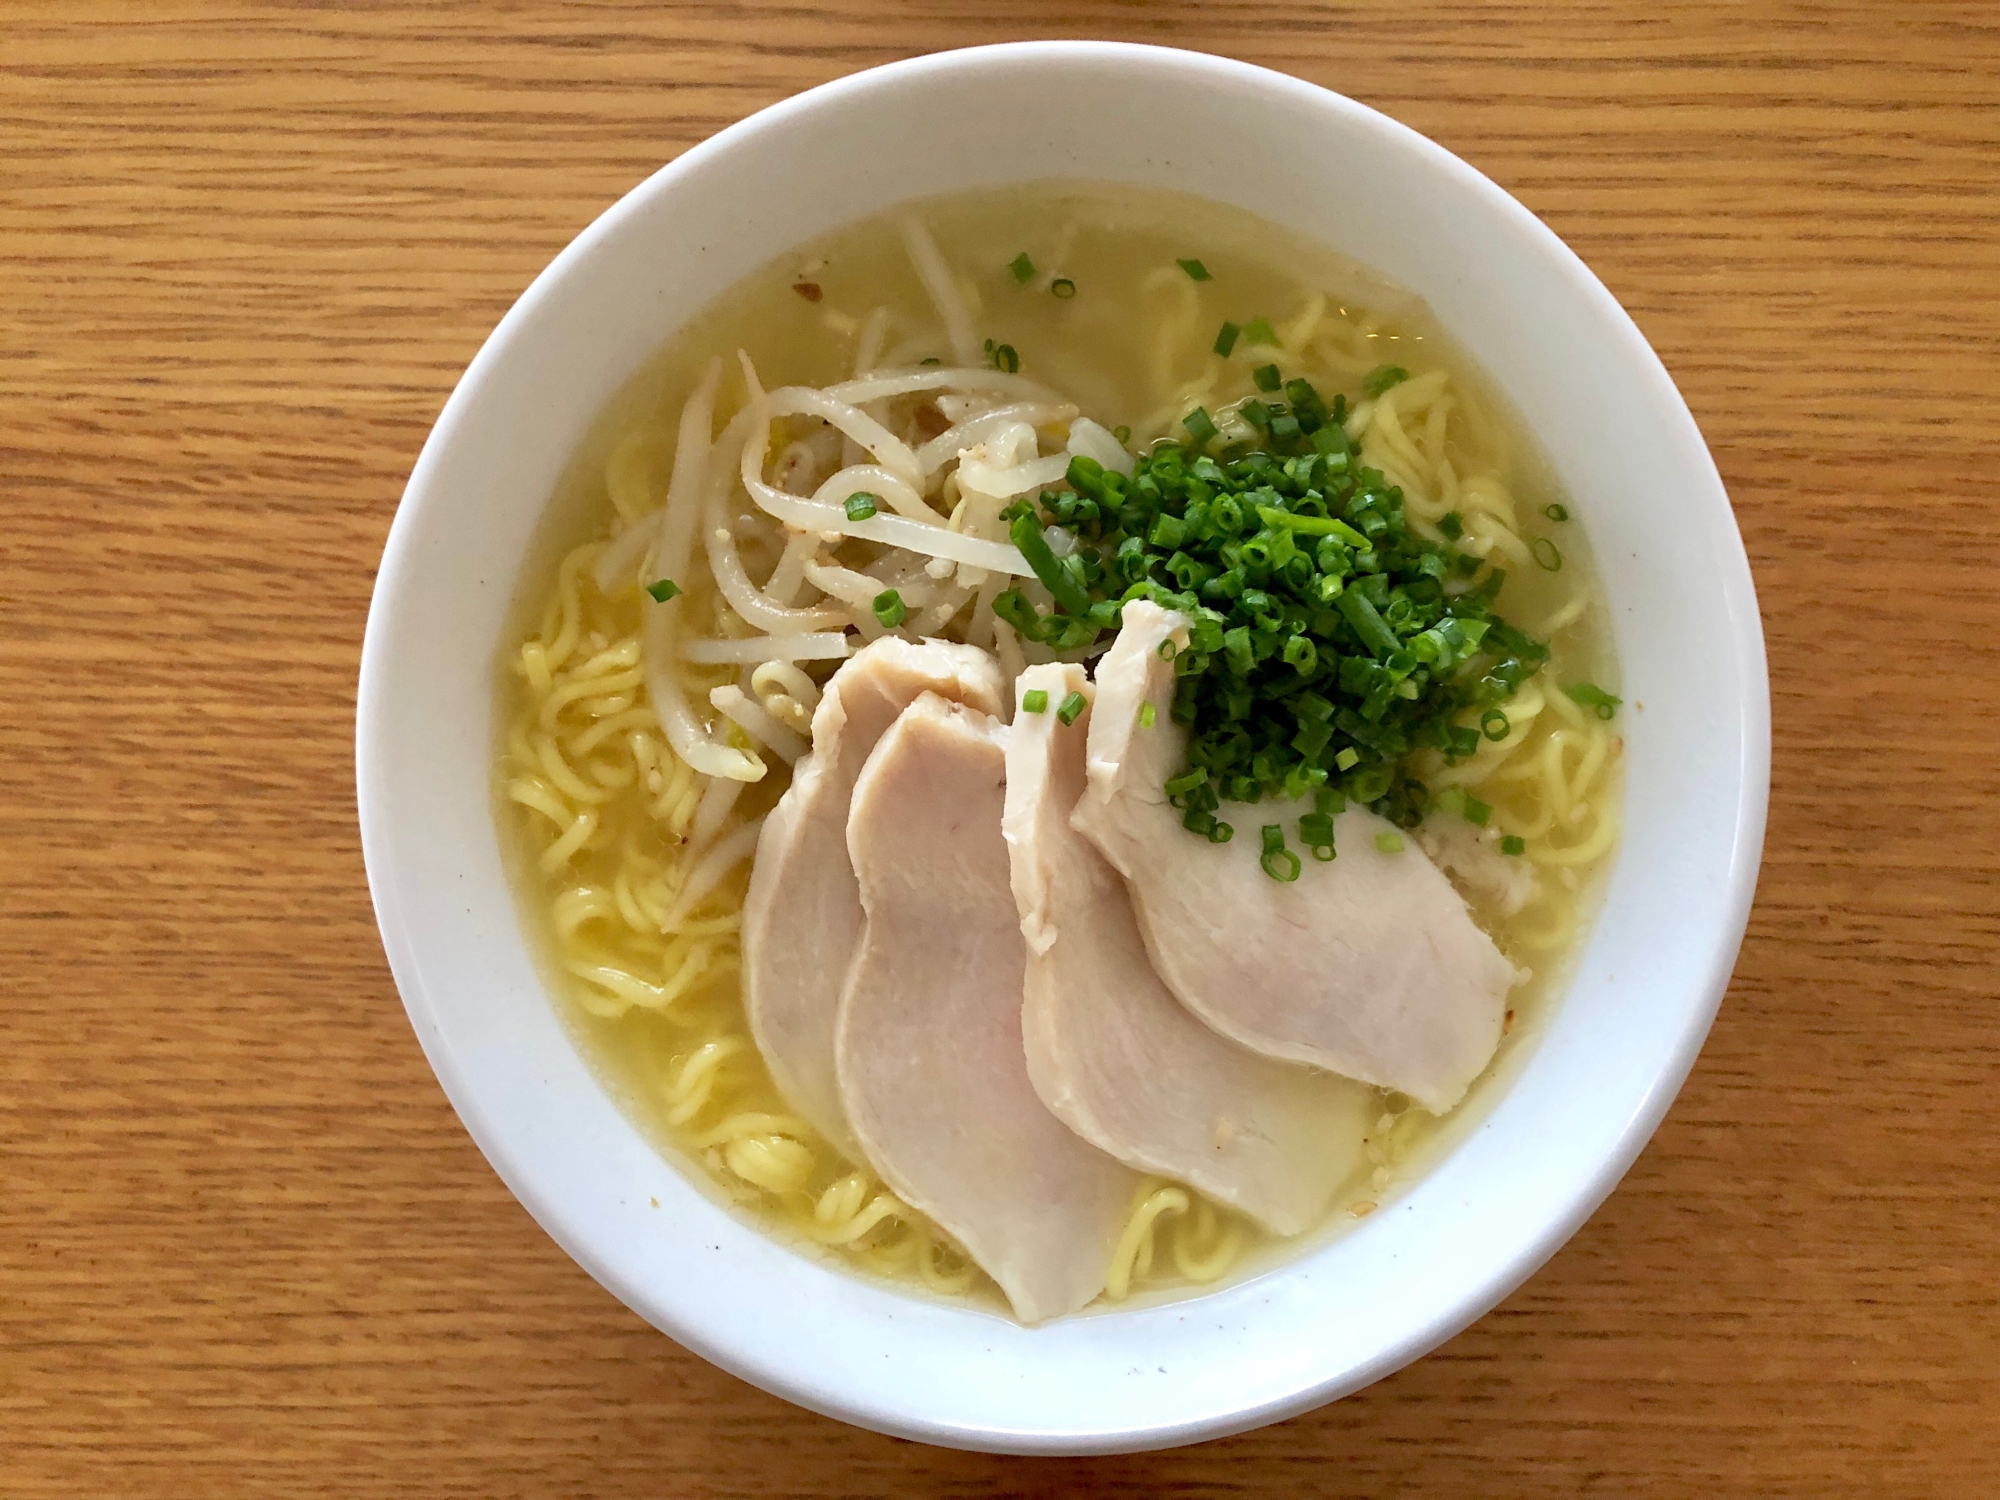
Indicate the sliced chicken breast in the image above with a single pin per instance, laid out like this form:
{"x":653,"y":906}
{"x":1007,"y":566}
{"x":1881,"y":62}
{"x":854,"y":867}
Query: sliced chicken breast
{"x":802,"y":915}
{"x":1473,"y":855}
{"x":1369,"y":966}
{"x":932,"y":1071}
{"x":1110,"y":1051}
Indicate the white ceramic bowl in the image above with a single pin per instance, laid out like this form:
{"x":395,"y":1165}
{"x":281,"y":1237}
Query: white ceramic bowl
{"x":1615,"y":1051}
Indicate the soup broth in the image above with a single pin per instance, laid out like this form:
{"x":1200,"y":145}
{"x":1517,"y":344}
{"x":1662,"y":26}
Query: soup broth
{"x":1140,"y":308}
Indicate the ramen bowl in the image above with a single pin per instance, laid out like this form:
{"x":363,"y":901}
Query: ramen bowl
{"x":1577,"y":1106}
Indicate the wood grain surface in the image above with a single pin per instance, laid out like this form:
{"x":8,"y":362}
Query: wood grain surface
{"x":245,"y":1248}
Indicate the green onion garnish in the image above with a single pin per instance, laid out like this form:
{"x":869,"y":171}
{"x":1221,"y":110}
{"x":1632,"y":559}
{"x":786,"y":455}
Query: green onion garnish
{"x":1556,"y":512}
{"x":1035,"y":701}
{"x":1057,"y":579}
{"x":1451,"y":525}
{"x":1146,"y":715}
{"x":1003,"y":357}
{"x":1475,"y":811}
{"x":861,"y":505}
{"x":1333,"y":637}
{"x":1222,"y":833}
{"x":1260,"y":331}
{"x":1389,"y":843}
{"x":1382,"y":377}
{"x":1195,"y":269}
{"x":1513,"y":843}
{"x":663,"y":590}
{"x":1063,"y":287}
{"x":1023,"y":268}
{"x":1122,"y":433}
{"x":1547,"y":555}
{"x":1272,"y":515}
{"x":1592,"y":696}
{"x":1226,"y":339}
{"x":1267,"y":377}
{"x":1070,"y":707}
{"x":890,"y":609}
{"x":1368,"y":624}
{"x":1277,"y":861}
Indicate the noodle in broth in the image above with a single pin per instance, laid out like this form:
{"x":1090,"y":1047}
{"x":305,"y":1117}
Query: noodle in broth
{"x":645,"y":742}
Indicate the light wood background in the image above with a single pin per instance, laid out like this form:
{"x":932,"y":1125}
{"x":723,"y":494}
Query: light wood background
{"x":245,"y":1248}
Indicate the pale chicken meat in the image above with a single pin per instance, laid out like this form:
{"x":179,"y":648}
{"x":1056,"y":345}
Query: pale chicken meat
{"x":1110,"y":1051}
{"x":1504,"y":882}
{"x":1368,"y":966}
{"x":932,"y":1070}
{"x":802,"y":915}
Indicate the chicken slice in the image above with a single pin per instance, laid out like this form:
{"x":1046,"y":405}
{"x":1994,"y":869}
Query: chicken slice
{"x":1111,"y":1052}
{"x":929,"y":1040}
{"x":1473,"y":855}
{"x":802,"y":915}
{"x":1369,"y":966}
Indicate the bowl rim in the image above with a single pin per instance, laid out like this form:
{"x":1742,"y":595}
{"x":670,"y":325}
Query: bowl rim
{"x":373,"y":706}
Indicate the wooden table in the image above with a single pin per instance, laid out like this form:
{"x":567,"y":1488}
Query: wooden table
{"x":245,"y":1248}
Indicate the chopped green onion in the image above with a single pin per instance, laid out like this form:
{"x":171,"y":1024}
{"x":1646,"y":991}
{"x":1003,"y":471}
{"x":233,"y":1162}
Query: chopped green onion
{"x":1122,"y":433}
{"x":1374,"y":631}
{"x":861,"y":505}
{"x":1003,"y":357}
{"x":1195,"y":269}
{"x":1071,"y":706}
{"x":1221,"y":833}
{"x":1146,"y":714}
{"x":1546,"y":554}
{"x":1389,"y":843}
{"x":1226,"y":339}
{"x":1513,"y":843}
{"x":663,"y":590}
{"x":1312,"y":525}
{"x":1556,"y":512}
{"x":1475,"y":811}
{"x":1592,"y":696}
{"x":1277,"y":861}
{"x":1267,"y":377}
{"x":1382,"y":378}
{"x":1331,"y":646}
{"x":1023,"y":268}
{"x":933,"y":360}
{"x":890,"y":609}
{"x":1260,"y":331}
{"x":1035,"y":701}
{"x":1027,"y":536}
{"x":1063,"y":287}
{"x":1168,"y":650}
{"x":1451,"y":525}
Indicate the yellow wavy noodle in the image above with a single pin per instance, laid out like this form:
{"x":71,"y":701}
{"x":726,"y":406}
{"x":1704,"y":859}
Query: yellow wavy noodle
{"x":607,"y":809}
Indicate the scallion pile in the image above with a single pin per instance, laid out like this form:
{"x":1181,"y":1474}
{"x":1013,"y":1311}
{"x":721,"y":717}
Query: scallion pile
{"x":1329,"y":640}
